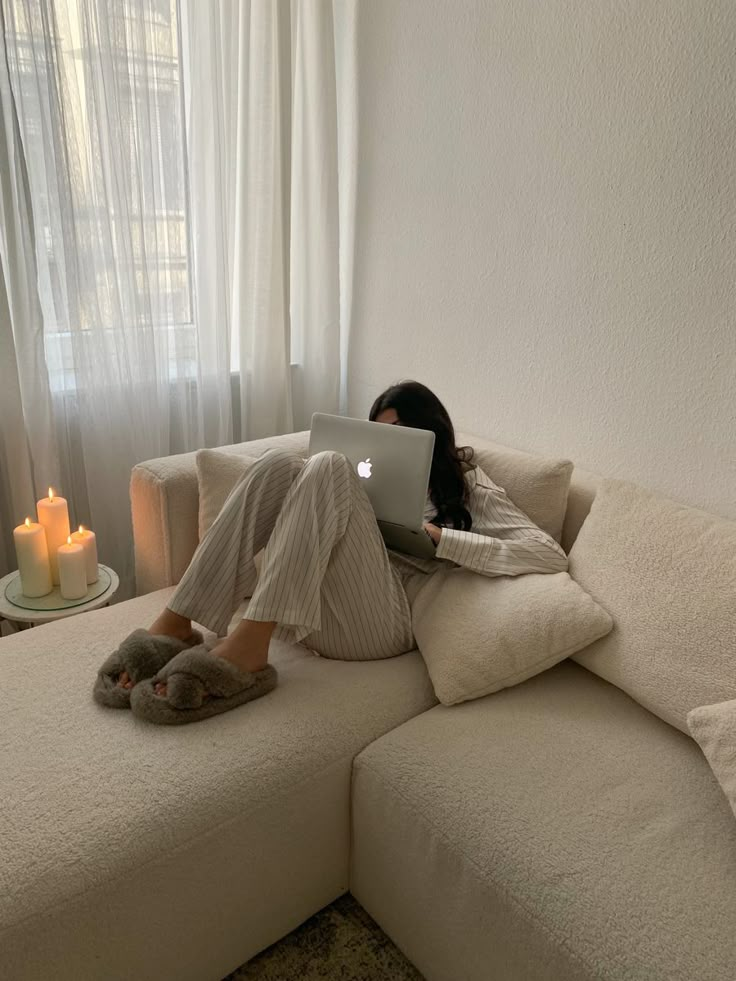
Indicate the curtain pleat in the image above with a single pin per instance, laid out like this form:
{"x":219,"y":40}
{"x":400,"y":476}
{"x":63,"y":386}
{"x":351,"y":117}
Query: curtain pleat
{"x":28,"y":458}
{"x":173,"y":212}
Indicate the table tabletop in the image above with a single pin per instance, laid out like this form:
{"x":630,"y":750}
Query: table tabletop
{"x":17,"y":614}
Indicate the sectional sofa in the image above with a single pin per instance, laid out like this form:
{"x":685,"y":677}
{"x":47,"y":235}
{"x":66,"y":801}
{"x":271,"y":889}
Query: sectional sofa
{"x":565,"y":828}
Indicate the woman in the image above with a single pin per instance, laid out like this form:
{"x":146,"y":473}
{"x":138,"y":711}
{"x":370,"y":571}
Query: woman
{"x":327,"y":579}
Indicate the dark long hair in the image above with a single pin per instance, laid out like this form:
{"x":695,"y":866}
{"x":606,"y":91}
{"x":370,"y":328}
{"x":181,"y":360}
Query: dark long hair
{"x":418,"y":407}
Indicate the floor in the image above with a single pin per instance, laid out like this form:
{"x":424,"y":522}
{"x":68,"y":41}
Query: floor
{"x":340,"y":943}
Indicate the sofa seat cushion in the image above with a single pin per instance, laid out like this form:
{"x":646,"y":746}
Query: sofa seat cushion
{"x":129,"y":850}
{"x":552,"y":830}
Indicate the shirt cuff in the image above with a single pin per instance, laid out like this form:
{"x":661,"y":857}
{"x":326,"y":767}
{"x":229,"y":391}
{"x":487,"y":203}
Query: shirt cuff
{"x":449,"y":545}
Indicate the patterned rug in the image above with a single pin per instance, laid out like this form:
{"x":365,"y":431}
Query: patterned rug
{"x":340,"y":943}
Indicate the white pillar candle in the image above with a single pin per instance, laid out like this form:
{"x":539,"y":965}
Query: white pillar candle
{"x":53,"y":514}
{"x":72,"y":570}
{"x":33,"y":559}
{"x":88,"y":540}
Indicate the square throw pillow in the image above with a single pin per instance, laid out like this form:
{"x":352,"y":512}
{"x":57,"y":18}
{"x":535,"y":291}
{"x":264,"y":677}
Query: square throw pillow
{"x":714,"y":729}
{"x":478,"y":634}
{"x":537,"y":485}
{"x":666,"y":573}
{"x":217,"y":474}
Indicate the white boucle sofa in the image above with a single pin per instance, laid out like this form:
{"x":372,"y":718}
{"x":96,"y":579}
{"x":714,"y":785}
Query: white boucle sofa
{"x":556,"y":830}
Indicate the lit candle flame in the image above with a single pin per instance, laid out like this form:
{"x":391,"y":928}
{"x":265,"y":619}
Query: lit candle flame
{"x":68,"y":541}
{"x":28,"y":522}
{"x":51,"y":493}
{"x":81,"y":529}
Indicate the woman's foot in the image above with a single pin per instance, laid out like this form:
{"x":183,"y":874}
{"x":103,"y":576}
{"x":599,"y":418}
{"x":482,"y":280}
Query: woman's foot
{"x":172,"y":625}
{"x":246,"y":647}
{"x":124,"y":680}
{"x":168,"y":624}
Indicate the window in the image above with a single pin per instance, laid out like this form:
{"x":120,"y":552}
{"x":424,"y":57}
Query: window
{"x":98,"y":88}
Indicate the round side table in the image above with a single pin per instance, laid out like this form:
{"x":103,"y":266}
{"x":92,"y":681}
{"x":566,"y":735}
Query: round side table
{"x":23,"y":618}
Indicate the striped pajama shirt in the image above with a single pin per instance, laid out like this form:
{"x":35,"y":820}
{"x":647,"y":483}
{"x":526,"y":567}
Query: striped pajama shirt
{"x":326,"y":576}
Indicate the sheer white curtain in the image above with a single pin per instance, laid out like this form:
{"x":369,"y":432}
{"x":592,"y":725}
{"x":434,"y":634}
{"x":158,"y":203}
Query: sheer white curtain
{"x":97,"y":94}
{"x":178,"y":163}
{"x":265,"y":118}
{"x":21,"y":358}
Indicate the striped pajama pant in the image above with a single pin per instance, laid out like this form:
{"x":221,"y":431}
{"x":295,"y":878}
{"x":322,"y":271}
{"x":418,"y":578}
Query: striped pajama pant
{"x":326,"y":577}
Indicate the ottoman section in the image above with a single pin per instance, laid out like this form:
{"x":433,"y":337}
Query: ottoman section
{"x":129,"y":850}
{"x":555,"y":830}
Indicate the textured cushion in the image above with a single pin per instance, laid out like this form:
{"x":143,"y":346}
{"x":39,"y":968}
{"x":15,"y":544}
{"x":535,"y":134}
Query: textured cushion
{"x":537,"y":485}
{"x":479,"y":634}
{"x":217,"y":474}
{"x":199,"y":844}
{"x":555,"y":831}
{"x":667,"y":575}
{"x":714,"y":727}
{"x":164,"y":499}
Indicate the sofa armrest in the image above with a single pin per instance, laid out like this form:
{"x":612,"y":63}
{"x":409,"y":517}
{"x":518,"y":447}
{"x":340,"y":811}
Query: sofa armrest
{"x":164,"y":498}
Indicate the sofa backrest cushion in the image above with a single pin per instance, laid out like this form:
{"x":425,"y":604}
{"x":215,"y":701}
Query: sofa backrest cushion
{"x":537,"y":485}
{"x":583,"y":488}
{"x":667,"y":575}
{"x":165,"y":501}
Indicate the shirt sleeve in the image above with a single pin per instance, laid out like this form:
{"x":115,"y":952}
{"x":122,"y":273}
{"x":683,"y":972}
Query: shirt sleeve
{"x":503,"y":540}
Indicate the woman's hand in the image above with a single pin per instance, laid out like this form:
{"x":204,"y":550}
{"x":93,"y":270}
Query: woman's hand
{"x":433,"y":531}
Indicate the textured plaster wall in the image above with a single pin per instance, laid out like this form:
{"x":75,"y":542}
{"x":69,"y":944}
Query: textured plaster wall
{"x":546,"y":228}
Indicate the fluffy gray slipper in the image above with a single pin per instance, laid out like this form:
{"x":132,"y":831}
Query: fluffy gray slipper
{"x":141,"y":654}
{"x":198,"y":684}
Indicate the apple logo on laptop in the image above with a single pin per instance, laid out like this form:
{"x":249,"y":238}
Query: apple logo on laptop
{"x":364,"y":468}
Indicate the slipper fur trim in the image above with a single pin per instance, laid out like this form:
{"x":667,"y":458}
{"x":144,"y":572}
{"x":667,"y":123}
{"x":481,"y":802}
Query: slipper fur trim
{"x":199,"y":673}
{"x":141,"y":654}
{"x":218,"y":675}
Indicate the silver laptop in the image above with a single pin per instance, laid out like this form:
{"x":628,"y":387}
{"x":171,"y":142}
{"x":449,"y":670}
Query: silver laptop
{"x":393,"y":463}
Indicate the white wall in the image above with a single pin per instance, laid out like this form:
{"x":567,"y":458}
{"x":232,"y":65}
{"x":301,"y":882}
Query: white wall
{"x":546,"y":228}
